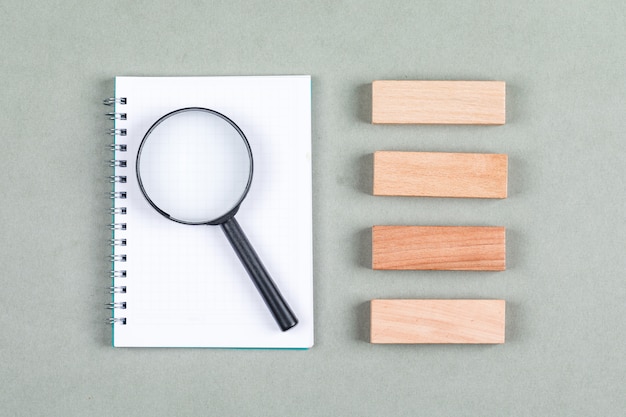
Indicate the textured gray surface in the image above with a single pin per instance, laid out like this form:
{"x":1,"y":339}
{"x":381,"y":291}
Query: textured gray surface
{"x":564,"y":64}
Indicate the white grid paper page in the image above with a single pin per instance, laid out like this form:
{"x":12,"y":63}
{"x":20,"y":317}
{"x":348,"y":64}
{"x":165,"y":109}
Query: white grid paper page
{"x":185,"y":284}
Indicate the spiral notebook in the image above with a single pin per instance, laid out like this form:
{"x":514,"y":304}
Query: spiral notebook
{"x":176,"y":285}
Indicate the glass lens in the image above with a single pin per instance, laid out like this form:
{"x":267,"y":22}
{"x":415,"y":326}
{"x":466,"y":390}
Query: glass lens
{"x":195,"y":166}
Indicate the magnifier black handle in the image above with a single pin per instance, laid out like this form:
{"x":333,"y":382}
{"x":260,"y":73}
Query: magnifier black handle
{"x":261,"y":278}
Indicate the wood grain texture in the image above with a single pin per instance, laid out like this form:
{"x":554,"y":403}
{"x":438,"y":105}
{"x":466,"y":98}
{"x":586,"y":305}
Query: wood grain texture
{"x":461,"y":248}
{"x":439,"y":102}
{"x":439,"y":174}
{"x":437,"y":321}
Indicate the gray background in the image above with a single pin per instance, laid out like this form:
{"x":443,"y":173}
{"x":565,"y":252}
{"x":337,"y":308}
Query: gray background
{"x":564,"y":63}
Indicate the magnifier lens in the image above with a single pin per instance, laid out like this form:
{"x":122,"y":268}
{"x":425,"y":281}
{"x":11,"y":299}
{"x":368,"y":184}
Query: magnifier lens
{"x":195,"y":166}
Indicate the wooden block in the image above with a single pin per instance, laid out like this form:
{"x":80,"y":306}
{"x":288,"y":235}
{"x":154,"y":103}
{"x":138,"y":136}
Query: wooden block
{"x":461,"y":248}
{"x":439,"y":102}
{"x":438,"y":174}
{"x":437,"y":321}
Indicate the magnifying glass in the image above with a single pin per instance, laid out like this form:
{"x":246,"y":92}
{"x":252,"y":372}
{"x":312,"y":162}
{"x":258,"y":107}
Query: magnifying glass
{"x":194,"y":166}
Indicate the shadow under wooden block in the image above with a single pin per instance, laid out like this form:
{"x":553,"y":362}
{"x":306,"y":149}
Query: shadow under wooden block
{"x":440,"y":174}
{"x":461,"y":248}
{"x":439,"y":102}
{"x":437,"y":321}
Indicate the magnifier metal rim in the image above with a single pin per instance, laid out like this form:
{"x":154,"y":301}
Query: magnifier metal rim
{"x":231,"y":212}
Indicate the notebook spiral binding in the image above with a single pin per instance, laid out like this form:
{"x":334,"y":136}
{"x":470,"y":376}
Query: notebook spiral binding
{"x":118,"y":226}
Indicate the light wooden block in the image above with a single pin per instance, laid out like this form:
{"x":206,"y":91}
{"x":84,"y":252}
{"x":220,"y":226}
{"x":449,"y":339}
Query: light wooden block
{"x":439,"y":174}
{"x":437,"y":321}
{"x":439,"y":102}
{"x":461,"y":248}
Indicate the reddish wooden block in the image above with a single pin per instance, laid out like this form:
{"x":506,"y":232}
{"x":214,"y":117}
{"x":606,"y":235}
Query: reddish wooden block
{"x":476,"y":248}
